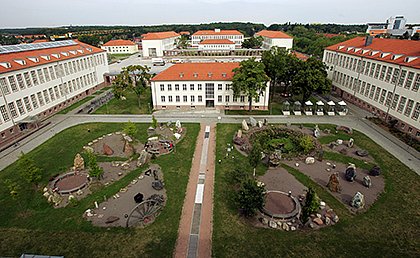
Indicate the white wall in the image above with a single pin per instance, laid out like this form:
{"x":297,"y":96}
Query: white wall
{"x":237,"y":39}
{"x":121,"y":49}
{"x":271,"y":42}
{"x":216,"y":47}
{"x":159,"y":44}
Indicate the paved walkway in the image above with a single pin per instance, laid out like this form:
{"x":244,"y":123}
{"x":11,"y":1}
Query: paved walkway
{"x":195,"y":227}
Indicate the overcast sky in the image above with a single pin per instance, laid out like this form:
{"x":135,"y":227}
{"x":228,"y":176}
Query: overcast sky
{"x":38,"y":13}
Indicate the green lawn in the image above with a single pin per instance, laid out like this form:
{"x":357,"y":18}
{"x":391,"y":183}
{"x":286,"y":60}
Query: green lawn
{"x":31,"y":225}
{"x":101,"y":90}
{"x":75,"y":105}
{"x":112,"y":58}
{"x":129,"y":105}
{"x":390,"y":228}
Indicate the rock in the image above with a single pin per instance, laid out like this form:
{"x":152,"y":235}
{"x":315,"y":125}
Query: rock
{"x":128,"y":149}
{"x":317,"y":133}
{"x":327,"y":221}
{"x":322,"y":205}
{"x":95,"y":141}
{"x":154,"y":138}
{"x":117,"y":133}
{"x":252,"y":121}
{"x":272,"y":224}
{"x":178,"y":124}
{"x":318,"y":215}
{"x":339,"y":141}
{"x":350,"y":173}
{"x":310,"y":160}
{"x":50,"y":198}
{"x":289,"y":223}
{"x":90,"y":143}
{"x":334,"y":183}
{"x":245,"y":126}
{"x":260,"y":124}
{"x":328,"y":169}
{"x":292,"y":228}
{"x":367,"y":181}
{"x":297,"y":164}
{"x":45,"y":189}
{"x":350,"y":143}
{"x":318,"y":221}
{"x":71,"y":197}
{"x":264,"y":221}
{"x":279,"y":224}
{"x":79,"y":163}
{"x":79,"y":192}
{"x":143,"y":158}
{"x":375,"y":171}
{"x":107,"y":150}
{"x":111,"y":219}
{"x":239,"y":133}
{"x":128,"y":138}
{"x":88,"y":149}
{"x":362,"y":153}
{"x":328,"y":164}
{"x":311,"y":225}
{"x":177,"y":136}
{"x":47,"y":195}
{"x":285,"y":227}
{"x":335,"y":219}
{"x":358,"y":201}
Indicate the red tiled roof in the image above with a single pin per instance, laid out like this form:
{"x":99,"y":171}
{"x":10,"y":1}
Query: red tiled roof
{"x":216,"y":41}
{"x":198,"y":72}
{"x":159,"y":35}
{"x":119,"y":42}
{"x":273,"y":34}
{"x":330,"y":35}
{"x":25,"y":55}
{"x":378,"y":31}
{"x":396,"y":50}
{"x":213,"y":32}
{"x":184,"y":33}
{"x":300,"y":56}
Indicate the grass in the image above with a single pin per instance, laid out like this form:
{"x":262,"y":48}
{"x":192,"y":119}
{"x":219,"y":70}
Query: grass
{"x":31,"y":225}
{"x":112,"y":58}
{"x":98,"y":92}
{"x":388,"y":229}
{"x":129,"y":105}
{"x":75,"y":105}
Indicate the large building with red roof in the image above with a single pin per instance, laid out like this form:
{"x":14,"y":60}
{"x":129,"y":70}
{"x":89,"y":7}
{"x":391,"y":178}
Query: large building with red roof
{"x":155,"y":43}
{"x":190,"y":86}
{"x":216,"y":44}
{"x":39,"y":79}
{"x":380,"y":75}
{"x":275,"y":39}
{"x":120,"y":46}
{"x":232,"y":35}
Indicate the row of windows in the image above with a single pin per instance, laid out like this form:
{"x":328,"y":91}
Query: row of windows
{"x":216,"y":46}
{"x":41,"y":98}
{"x":401,"y":77}
{"x":14,"y":83}
{"x":200,"y":98}
{"x":217,"y":37}
{"x":387,"y":98}
{"x":192,"y":87}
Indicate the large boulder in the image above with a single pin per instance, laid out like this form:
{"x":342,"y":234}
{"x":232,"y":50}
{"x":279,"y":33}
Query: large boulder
{"x":252,"y":121}
{"x":310,"y":160}
{"x":358,"y":201}
{"x":79,"y":163}
{"x":367,"y":181}
{"x":245,"y":126}
{"x":128,"y":149}
{"x":350,"y":173}
{"x":107,"y":150}
{"x":334,"y":183}
{"x":375,"y":171}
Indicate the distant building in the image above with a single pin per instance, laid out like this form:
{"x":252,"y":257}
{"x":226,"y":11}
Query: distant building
{"x":189,"y":86}
{"x":120,"y":46}
{"x":380,"y":75}
{"x":154,"y":43}
{"x":39,"y":79}
{"x":275,"y":38}
{"x":232,"y":35}
{"x":216,"y":44}
{"x":394,"y":26}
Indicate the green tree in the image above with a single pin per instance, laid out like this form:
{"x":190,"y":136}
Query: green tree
{"x":134,"y":78}
{"x":130,"y":129}
{"x":249,"y":79}
{"x":311,"y":204}
{"x":182,"y":42}
{"x":90,"y":39}
{"x":311,"y":77}
{"x":306,"y":143}
{"x":94,"y":169}
{"x":250,"y":197}
{"x":154,"y":122}
{"x":253,"y":42}
{"x":254,"y":156}
{"x":29,"y":171}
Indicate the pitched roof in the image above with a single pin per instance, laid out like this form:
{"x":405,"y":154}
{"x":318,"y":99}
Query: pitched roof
{"x":119,"y":42}
{"x":32,"y":58}
{"x":217,"y":32}
{"x":198,"y":72}
{"x":396,"y":51}
{"x":159,"y":35}
{"x":216,"y":41}
{"x":184,"y":33}
{"x":300,"y":55}
{"x":273,"y":34}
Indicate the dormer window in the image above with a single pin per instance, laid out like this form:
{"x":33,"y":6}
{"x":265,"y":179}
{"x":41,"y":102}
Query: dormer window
{"x":80,"y":51}
{"x":181,"y":75}
{"x":357,"y":50}
{"x":195,"y":75}
{"x":224,"y":75}
{"x":349,"y":49}
{"x":56,"y":55}
{"x":385,"y":54}
{"x":408,"y":59}
{"x":5,"y":64}
{"x":209,"y":74}
{"x":89,"y":49}
{"x":374,"y":53}
{"x":364,"y":51}
{"x":72,"y":52}
{"x":20,"y":61}
{"x":395,"y":57}
{"x":340,"y":47}
{"x":34,"y":59}
{"x":65,"y":53}
{"x":46,"y":57}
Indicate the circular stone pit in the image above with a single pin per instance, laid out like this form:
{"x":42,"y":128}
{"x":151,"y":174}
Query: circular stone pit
{"x":70,"y":182}
{"x":280,"y":205}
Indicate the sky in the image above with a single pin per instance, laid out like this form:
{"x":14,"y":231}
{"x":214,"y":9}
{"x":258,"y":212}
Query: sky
{"x":51,"y":13}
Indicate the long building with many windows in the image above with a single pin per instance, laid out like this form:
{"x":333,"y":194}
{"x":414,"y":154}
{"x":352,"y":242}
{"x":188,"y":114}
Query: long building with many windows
{"x":200,"y":85}
{"x":37,"y":80}
{"x":232,"y":35}
{"x":380,"y":75}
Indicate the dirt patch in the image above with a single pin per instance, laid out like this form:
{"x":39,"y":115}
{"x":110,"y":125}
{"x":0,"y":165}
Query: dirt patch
{"x":349,"y":152}
{"x":115,"y":141}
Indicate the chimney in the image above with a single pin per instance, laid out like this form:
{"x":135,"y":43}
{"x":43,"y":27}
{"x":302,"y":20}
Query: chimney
{"x":217,"y":30}
{"x":368,"y":40}
{"x":210,"y":74}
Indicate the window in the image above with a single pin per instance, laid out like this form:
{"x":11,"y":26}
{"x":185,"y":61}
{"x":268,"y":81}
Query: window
{"x":12,"y":83}
{"x":184,"y":87}
{"x":5,"y":115}
{"x":50,"y":90}
{"x":383,"y":94}
{"x":402,"y":104}
{"x":27,"y":104}
{"x":388,"y":74}
{"x":162,"y":87}
{"x":367,"y":68}
{"x":219,"y":98}
{"x":47,"y":75}
{"x":191,"y":86}
{"x":34,"y":102}
{"x":27,"y":79}
{"x":170,"y":98}
{"x":162,"y":98}
{"x":378,"y":90}
{"x":20,"y":81}
{"x":409,"y":107}
{"x":20,"y":107}
{"x":388,"y":99}
{"x":41,"y":76}
{"x":372,"y":70}
{"x":192,"y":98}
{"x":395,"y":101}
{"x":242,"y":99}
{"x":378,"y":68}
{"x":12,"y":109}
{"x":382,"y":73}
{"x":372,"y":91}
{"x":169,"y":87}
{"x":200,"y":98}
{"x":4,"y":87}
{"x":200,"y":87}
{"x":177,"y":99}
{"x":416,"y":112}
{"x":395,"y":76}
{"x":227,"y":98}
{"x":409,"y":80}
{"x":362,"y":90}
{"x":219,"y":87}
{"x":176,"y":86}
{"x":228,"y":86}
{"x":34,"y":78}
{"x":184,"y":98}
{"x":46,"y":97}
{"x":402,"y":78}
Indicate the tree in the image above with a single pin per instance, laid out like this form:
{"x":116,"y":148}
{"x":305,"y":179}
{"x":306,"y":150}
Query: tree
{"x":182,"y":42}
{"x":254,"y":156}
{"x":29,"y":171}
{"x":154,"y":122}
{"x":94,"y":169}
{"x":253,"y":42}
{"x":250,"y":79}
{"x":130,"y":129}
{"x":91,"y":40}
{"x":13,"y":188}
{"x":133,"y":78}
{"x":250,"y":197}
{"x":306,"y":143}
{"x":311,"y":204}
{"x":311,"y":77}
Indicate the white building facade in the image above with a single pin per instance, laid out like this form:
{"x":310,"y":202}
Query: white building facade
{"x":120,"y":46}
{"x":232,"y":35}
{"x":275,"y":38}
{"x":216,"y":44}
{"x":199,"y":86}
{"x":382,"y":77}
{"x":37,"y":80}
{"x":155,"y":43}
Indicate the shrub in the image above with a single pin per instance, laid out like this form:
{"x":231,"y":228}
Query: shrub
{"x":306,"y":143}
{"x":311,"y":204}
{"x":250,"y":197}
{"x":130,"y":129}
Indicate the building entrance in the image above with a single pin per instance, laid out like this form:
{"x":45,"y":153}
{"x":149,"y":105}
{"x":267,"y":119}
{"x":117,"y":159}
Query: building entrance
{"x":209,"y":103}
